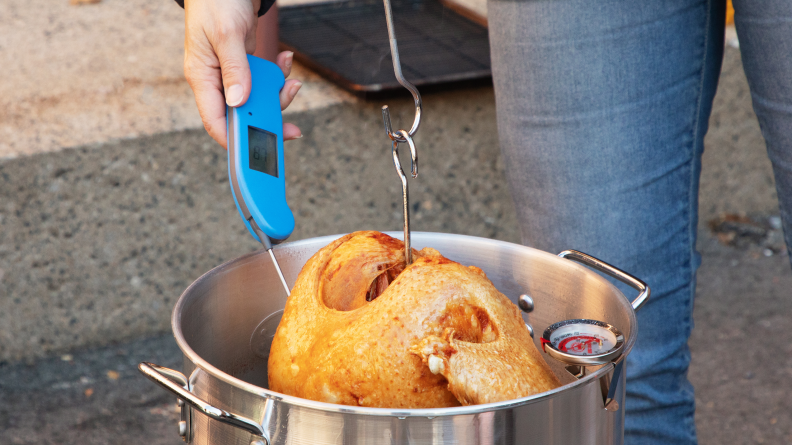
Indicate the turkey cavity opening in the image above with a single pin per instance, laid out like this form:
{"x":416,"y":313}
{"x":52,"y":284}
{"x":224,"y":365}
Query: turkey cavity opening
{"x":383,"y":280}
{"x":359,"y":270}
{"x":470,"y":323}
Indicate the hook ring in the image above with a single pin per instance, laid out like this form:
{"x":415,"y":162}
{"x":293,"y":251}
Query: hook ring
{"x":394,"y":135}
{"x":413,"y":151}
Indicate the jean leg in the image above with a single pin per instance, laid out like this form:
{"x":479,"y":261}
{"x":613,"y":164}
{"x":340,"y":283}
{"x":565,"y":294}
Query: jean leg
{"x":602,"y":110}
{"x":765,"y":31}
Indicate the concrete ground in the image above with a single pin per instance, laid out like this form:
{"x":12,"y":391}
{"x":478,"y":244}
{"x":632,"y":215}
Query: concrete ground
{"x":112,"y":200}
{"x":101,"y":70}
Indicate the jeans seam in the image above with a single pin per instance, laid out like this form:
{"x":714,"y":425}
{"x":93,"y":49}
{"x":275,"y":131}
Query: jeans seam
{"x":692,"y":190}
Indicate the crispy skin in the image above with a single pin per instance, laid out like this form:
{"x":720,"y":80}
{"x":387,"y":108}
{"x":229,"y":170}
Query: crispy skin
{"x":332,"y":345}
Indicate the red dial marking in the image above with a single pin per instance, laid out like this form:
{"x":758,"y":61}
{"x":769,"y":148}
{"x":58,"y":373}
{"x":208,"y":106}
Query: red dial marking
{"x":580,"y":344}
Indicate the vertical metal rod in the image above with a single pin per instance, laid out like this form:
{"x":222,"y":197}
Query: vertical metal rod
{"x":405,"y":189}
{"x":265,"y":241}
{"x":280,"y":272}
{"x":406,"y":201}
{"x":402,"y":135}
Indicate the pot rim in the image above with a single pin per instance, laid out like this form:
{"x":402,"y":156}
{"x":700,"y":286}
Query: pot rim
{"x":390,"y":412}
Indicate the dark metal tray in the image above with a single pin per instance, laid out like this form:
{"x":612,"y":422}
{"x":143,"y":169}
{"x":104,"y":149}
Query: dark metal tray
{"x":347,"y":42}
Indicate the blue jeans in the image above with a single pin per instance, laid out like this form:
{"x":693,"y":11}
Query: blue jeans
{"x":602,"y":110}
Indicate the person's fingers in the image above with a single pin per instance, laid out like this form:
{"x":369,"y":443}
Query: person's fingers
{"x":218,"y":36}
{"x":204,"y":79}
{"x":290,"y":132}
{"x":234,"y":68}
{"x":290,"y":89}
{"x":211,"y":106}
{"x":287,"y":93}
{"x":250,"y":38}
{"x":284,"y":61}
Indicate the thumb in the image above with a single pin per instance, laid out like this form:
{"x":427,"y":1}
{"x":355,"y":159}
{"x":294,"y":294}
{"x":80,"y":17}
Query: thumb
{"x":234,"y":70}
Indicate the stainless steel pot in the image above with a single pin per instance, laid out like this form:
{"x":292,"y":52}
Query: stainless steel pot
{"x":225,"y":320}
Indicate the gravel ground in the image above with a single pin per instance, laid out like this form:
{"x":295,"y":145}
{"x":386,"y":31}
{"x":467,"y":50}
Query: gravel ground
{"x":91,"y":397}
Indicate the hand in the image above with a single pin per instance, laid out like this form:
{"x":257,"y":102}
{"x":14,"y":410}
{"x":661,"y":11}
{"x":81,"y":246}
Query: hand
{"x":218,"y":35}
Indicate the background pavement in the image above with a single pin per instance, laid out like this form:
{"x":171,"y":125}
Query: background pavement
{"x":112,"y":200}
{"x":98,"y":71}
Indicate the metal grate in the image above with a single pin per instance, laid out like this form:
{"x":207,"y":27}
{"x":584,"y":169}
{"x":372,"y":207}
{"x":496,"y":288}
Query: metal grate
{"x":348,"y":43}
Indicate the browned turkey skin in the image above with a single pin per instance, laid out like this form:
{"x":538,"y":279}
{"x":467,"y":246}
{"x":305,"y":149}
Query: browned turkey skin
{"x":361,"y":329}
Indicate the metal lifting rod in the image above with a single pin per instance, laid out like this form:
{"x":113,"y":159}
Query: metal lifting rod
{"x":400,"y":136}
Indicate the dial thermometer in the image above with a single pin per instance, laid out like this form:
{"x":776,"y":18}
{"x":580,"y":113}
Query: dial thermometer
{"x":582,"y":342}
{"x":255,"y":159}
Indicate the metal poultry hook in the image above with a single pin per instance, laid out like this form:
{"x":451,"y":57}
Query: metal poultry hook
{"x":405,"y":192}
{"x":399,"y":136}
{"x":394,"y":136}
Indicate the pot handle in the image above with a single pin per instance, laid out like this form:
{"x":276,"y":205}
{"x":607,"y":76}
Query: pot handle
{"x":162,"y":376}
{"x":606,"y":268}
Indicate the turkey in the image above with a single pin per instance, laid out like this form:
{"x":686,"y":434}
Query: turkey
{"x":362,"y":329}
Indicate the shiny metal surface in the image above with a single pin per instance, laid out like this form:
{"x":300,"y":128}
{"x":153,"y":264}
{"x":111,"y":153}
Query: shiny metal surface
{"x":399,"y":136}
{"x":405,"y":189}
{"x":267,"y":243}
{"x":159,"y":375}
{"x":397,"y":70}
{"x":526,"y":303}
{"x":279,"y":271}
{"x":215,"y":318}
{"x":619,"y":274}
{"x":530,"y":329}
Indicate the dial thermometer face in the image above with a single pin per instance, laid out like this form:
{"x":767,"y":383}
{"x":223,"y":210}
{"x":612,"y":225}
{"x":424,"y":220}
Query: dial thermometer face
{"x":582,"y":342}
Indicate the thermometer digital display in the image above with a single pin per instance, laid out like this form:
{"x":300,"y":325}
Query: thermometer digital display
{"x":263,"y":151}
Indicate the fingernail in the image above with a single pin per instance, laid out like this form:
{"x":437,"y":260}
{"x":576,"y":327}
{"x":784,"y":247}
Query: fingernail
{"x":296,"y":137}
{"x":295,"y":88}
{"x":289,"y":59}
{"x":234,"y":95}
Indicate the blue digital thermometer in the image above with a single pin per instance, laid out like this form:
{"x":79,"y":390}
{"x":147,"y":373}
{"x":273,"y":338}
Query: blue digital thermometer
{"x":255,"y":159}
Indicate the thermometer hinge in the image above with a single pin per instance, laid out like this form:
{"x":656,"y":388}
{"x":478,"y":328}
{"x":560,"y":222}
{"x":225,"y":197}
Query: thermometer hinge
{"x":263,"y":238}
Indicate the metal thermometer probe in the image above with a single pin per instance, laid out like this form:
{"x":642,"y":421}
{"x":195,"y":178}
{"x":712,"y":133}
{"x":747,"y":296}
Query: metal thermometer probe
{"x":267,"y":243}
{"x":255,"y":160}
